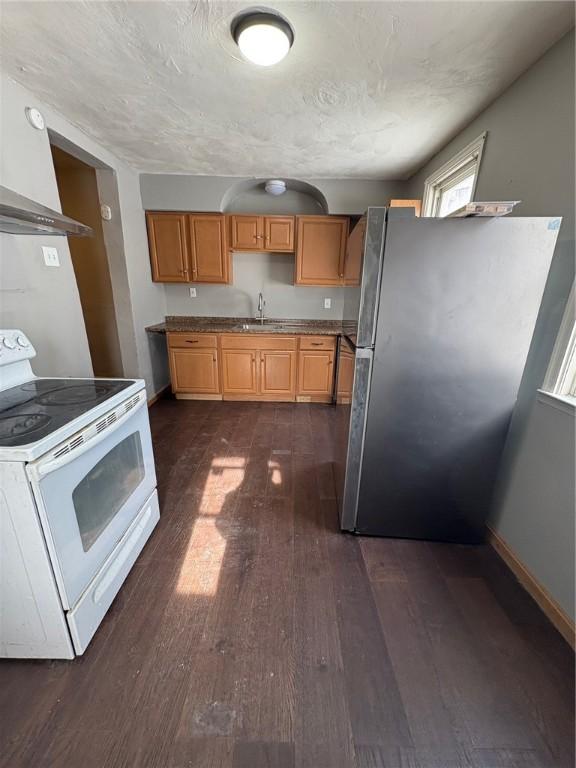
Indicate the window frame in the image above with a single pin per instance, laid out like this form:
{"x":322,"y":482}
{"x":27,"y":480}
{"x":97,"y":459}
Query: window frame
{"x":560,"y":377}
{"x":449,"y":174}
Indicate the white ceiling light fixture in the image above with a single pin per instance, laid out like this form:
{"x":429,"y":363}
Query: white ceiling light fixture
{"x":275,"y":187}
{"x":35,"y":118}
{"x":263,"y":36}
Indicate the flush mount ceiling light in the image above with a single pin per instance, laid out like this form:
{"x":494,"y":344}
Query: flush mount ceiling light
{"x":35,"y":118}
{"x":275,"y":187}
{"x":264,"y":37}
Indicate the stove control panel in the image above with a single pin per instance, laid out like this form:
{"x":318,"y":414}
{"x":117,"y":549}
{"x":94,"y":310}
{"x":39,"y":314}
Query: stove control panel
{"x":14,"y":346}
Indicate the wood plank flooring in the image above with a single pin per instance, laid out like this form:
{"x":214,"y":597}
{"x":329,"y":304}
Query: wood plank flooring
{"x":251,"y":633}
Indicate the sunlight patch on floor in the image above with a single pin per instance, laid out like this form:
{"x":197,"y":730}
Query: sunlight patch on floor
{"x":275,"y":472}
{"x":202,"y":563}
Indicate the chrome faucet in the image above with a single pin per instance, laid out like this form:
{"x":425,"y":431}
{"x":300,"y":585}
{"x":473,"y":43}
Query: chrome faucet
{"x":261,"y":305}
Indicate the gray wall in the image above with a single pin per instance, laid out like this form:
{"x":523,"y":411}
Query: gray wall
{"x":44,"y":301}
{"x":173,"y":192}
{"x":273,"y":274}
{"x":529,"y":156}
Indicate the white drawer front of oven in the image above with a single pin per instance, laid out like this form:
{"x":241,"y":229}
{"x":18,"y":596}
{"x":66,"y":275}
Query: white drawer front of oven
{"x":88,"y":498}
{"x":87,"y":614}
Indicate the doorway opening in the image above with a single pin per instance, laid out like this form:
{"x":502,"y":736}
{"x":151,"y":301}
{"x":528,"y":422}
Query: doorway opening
{"x":78,"y":190}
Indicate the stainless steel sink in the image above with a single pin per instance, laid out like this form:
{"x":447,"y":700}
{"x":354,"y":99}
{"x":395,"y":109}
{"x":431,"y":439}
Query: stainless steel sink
{"x":263,"y":326}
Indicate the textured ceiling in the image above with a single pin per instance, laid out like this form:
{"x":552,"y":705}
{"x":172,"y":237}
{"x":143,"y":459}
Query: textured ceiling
{"x":369,"y":90}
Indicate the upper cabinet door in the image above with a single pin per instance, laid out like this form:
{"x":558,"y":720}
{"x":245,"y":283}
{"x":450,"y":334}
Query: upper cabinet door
{"x":246,"y":233}
{"x":210,"y":260}
{"x":354,"y":253}
{"x":320,"y":250}
{"x":279,"y":233}
{"x":168,"y":242}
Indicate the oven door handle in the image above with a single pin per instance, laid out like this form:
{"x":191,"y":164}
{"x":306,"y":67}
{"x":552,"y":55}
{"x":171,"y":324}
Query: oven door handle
{"x":41,"y":469}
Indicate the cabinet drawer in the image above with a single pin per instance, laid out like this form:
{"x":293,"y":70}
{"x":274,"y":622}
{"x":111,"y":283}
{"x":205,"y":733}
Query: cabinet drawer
{"x":192,"y":340}
{"x":258,"y":341}
{"x":318,"y":342}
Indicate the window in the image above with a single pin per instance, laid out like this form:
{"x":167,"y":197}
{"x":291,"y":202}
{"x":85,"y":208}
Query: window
{"x":106,"y":488}
{"x":561,"y":376}
{"x":453,"y":185}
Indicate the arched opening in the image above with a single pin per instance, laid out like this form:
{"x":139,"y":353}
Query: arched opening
{"x":249,"y":196}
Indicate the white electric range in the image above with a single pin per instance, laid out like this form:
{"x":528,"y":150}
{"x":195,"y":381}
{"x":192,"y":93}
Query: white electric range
{"x":78,"y":501}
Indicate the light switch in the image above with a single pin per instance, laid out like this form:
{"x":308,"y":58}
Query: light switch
{"x":50,"y":256}
{"x":327,"y":303}
{"x":192,"y":293}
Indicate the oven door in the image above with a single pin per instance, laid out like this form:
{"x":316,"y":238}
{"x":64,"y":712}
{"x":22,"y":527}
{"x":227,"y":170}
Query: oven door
{"x":88,"y":495}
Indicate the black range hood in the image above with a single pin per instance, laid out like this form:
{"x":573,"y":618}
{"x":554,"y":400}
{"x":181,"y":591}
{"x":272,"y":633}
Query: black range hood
{"x":21,"y":216}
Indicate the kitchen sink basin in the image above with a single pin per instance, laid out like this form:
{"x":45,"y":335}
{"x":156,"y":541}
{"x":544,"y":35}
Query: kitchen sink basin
{"x":263,"y":326}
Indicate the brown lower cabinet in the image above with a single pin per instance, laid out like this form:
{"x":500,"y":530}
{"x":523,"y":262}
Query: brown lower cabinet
{"x":239,"y":372}
{"x":316,"y":369}
{"x":278,"y":374}
{"x":258,"y":367}
{"x":194,"y":369}
{"x":345,"y":376}
{"x":252,"y":366}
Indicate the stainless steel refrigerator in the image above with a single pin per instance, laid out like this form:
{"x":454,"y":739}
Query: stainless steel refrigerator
{"x":438,"y":335}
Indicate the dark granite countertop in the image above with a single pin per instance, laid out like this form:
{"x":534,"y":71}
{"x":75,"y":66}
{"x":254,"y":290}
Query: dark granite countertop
{"x":174,"y":324}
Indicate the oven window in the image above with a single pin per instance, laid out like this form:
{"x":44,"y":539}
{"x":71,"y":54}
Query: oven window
{"x":107,"y":486}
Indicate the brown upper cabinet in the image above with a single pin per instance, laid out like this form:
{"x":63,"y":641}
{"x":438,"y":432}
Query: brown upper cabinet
{"x":246,"y":233}
{"x":354,"y":251}
{"x":188,"y":247}
{"x":195,"y":247}
{"x":416,"y":204}
{"x":208,"y":251}
{"x":321,"y":251}
{"x":262,"y":233}
{"x":279,"y":233}
{"x":168,"y":241}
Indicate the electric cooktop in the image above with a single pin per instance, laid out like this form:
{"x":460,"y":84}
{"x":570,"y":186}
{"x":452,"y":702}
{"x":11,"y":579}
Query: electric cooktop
{"x":35,"y":409}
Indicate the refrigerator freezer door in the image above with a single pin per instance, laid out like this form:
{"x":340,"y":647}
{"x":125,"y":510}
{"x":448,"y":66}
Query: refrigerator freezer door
{"x":458,"y":305}
{"x":361,"y":303}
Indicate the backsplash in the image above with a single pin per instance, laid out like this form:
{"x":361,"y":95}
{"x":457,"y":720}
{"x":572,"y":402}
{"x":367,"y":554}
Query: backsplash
{"x":271,"y":273}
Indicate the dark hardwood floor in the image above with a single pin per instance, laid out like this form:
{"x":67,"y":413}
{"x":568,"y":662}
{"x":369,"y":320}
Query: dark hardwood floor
{"x":252,"y":634}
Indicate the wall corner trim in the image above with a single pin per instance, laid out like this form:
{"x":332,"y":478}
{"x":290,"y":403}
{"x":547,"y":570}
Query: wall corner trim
{"x":545,"y":601}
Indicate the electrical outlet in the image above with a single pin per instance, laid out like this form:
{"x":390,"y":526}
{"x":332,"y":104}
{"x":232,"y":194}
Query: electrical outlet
{"x":192,"y":293}
{"x":50,"y":256}
{"x":327,"y":303}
